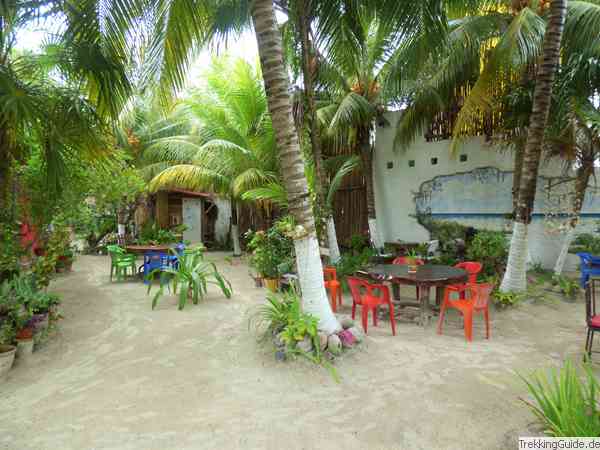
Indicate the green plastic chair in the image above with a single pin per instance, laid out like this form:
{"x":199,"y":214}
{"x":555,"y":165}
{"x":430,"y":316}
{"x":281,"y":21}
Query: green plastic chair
{"x":120,"y":261}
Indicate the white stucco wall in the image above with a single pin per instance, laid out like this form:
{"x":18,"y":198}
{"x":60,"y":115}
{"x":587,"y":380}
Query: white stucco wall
{"x":223,"y":218}
{"x":476,"y":192}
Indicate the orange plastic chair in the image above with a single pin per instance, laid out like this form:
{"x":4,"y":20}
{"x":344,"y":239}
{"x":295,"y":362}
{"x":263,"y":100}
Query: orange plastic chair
{"x":402,"y":261}
{"x":476,"y":301}
{"x":333,"y":285}
{"x":472,"y":268}
{"x":369,"y":297}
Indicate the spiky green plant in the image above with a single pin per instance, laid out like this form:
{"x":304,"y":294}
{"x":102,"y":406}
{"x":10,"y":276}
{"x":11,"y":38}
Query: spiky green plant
{"x":564,"y":402}
{"x":191,"y":276}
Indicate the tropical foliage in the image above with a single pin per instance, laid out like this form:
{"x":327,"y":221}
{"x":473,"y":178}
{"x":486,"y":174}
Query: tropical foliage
{"x":565,"y":402}
{"x":191,"y":276}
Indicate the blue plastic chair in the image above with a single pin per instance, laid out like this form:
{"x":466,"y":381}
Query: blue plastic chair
{"x":590,"y":265}
{"x":174,"y":259}
{"x":153,"y":261}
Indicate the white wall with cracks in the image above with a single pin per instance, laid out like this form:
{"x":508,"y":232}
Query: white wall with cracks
{"x":473,"y":187}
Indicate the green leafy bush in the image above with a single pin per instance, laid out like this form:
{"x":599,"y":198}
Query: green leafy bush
{"x":272,"y":250}
{"x":10,"y":250}
{"x":491,"y":249}
{"x":151,"y":234}
{"x":282,"y":316}
{"x":568,"y":286}
{"x":586,"y":243}
{"x":505,"y":299}
{"x":564,"y":402}
{"x":20,"y":298}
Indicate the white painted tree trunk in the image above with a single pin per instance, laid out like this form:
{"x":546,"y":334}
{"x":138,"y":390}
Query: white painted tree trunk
{"x":235,"y":238}
{"x":564,"y":251}
{"x":515,"y":277}
{"x":121,"y":229}
{"x":374,"y":233}
{"x":334,"y":249}
{"x":277,"y":86}
{"x":310,"y":274}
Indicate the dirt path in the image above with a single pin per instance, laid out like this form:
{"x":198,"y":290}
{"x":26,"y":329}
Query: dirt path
{"x":121,"y":376}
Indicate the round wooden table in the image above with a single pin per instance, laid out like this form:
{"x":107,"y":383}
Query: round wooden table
{"x":138,"y":249}
{"x":424,"y":278}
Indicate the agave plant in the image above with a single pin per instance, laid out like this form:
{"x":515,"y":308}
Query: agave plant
{"x":190,"y":275}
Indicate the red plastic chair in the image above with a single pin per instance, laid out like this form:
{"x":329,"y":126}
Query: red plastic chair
{"x":333,"y":285}
{"x":369,"y":297}
{"x":403,"y":261}
{"x":472,"y":268}
{"x":476,"y":301}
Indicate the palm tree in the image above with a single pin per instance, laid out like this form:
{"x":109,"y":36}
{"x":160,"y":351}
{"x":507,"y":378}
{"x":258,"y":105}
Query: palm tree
{"x":515,"y":275}
{"x":357,"y":74}
{"x":580,"y":137}
{"x":179,"y":29}
{"x":232,"y":149}
{"x":308,"y":261}
{"x":62,"y":117}
{"x":491,"y":57}
{"x":303,"y":18}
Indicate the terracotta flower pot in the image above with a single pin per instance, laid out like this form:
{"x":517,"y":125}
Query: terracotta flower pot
{"x":7,"y":357}
{"x":272,"y":284}
{"x":25,"y":333}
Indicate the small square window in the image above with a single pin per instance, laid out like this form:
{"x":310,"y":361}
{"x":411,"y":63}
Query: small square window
{"x":390,"y":165}
{"x":463,"y":158}
{"x":411,"y":163}
{"x":433,"y":161}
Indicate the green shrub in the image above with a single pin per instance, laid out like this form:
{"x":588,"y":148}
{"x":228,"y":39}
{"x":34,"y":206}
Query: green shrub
{"x":151,"y":234}
{"x":587,"y":243}
{"x":566,"y":404}
{"x":282,"y":318}
{"x":272,"y":250}
{"x":10,"y":249}
{"x":491,"y":249}
{"x":505,"y":299}
{"x":568,"y":286}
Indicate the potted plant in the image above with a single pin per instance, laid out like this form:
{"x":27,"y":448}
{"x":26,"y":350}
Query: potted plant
{"x":21,"y":317}
{"x":191,"y":276}
{"x":64,"y":262}
{"x":411,"y":261}
{"x":41,"y":305}
{"x":7,"y":330}
{"x":272,"y":254}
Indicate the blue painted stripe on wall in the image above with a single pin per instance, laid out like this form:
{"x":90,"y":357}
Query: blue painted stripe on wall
{"x":461,"y":214}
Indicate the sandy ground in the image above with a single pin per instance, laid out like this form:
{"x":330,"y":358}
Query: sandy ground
{"x":120,"y":376}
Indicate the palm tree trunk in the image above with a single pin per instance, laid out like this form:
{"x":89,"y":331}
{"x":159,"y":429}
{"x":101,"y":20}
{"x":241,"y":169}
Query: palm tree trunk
{"x":515,"y":276}
{"x":235,"y":230}
{"x":584,"y":172}
{"x":366,"y":155}
{"x":308,"y":260}
{"x":517,"y":172}
{"x":304,"y":8}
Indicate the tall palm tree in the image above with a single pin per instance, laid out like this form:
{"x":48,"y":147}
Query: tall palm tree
{"x":232,"y":149}
{"x":61,"y":116}
{"x":308,"y":261}
{"x":580,"y":137}
{"x":515,"y":275}
{"x":179,"y":28}
{"x":357,"y":74}
{"x":492,"y":55}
